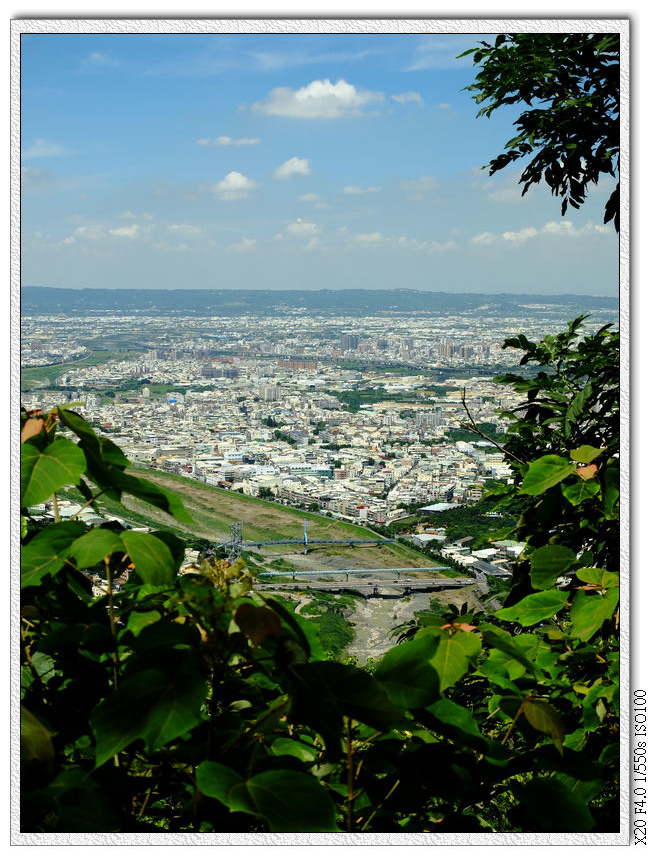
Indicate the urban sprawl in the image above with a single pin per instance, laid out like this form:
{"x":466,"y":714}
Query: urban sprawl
{"x":353,"y":418}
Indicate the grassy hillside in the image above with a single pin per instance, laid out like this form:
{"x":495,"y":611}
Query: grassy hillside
{"x":212,"y":510}
{"x":34,"y":376}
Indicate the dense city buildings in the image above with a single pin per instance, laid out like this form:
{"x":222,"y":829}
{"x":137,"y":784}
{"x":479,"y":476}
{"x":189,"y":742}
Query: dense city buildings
{"x":357,"y":417}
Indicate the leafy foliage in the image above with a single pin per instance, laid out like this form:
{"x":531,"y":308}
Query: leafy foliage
{"x":185,"y":699}
{"x":570,"y":83}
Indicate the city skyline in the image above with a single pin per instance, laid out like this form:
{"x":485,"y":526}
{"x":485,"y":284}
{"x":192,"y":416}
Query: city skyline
{"x":283,"y":161}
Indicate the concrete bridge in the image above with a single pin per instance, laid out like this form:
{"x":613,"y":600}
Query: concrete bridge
{"x":384,"y":588}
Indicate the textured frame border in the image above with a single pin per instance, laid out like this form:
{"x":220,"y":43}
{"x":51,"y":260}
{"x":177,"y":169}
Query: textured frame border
{"x":325,"y":26}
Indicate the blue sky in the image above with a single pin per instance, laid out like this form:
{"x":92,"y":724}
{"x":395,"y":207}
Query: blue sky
{"x":283,"y":161}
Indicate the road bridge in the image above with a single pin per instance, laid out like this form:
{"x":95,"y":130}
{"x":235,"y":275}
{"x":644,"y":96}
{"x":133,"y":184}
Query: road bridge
{"x":385,"y":588}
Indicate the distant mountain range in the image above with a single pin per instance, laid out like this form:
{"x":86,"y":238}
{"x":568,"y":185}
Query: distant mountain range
{"x":39,"y":299}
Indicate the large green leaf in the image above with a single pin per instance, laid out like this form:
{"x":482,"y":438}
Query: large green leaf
{"x":534,"y":608}
{"x":42,"y":473}
{"x":292,"y":801}
{"x":92,"y":547}
{"x":505,"y":642}
{"x":451,"y":659}
{"x":578,"y":492}
{"x":585,"y":454}
{"x":551,"y":806}
{"x":543,"y":717}
{"x":46,"y":552}
{"x":289,"y":801}
{"x":358,"y":694}
{"x":106,"y":467}
{"x":598,"y":577}
{"x":456,"y":716}
{"x":151,"y":705}
{"x":35,"y":740}
{"x":408,"y":674}
{"x":216,"y":780}
{"x":548,"y":563}
{"x":589,"y":611}
{"x":544,"y":473}
{"x":151,"y":493}
{"x":151,"y":557}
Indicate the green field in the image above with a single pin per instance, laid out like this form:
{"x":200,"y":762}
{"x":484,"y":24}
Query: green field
{"x":33,"y":376}
{"x":212,"y":510}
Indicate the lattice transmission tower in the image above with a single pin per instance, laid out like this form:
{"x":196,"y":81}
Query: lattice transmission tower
{"x":235,"y":543}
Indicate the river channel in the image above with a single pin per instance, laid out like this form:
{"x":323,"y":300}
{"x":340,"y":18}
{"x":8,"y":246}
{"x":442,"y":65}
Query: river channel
{"x":373,"y":620}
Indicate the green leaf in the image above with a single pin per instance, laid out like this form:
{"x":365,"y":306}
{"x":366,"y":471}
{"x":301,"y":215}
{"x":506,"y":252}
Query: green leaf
{"x":95,"y":545}
{"x":551,"y":807}
{"x":611,"y":493}
{"x":292,"y":801}
{"x":35,"y":740}
{"x":42,"y":473}
{"x":544,"y":473}
{"x":456,"y":716}
{"x":548,"y":563}
{"x":283,"y":747}
{"x":46,"y":552}
{"x":151,"y":493}
{"x":504,"y":642}
{"x":152,"y":705}
{"x":450,"y":660}
{"x":358,"y":694}
{"x":585,"y":454}
{"x":598,"y":577}
{"x":543,"y":717}
{"x":151,"y":557}
{"x":408,"y":675}
{"x":257,"y":623}
{"x":576,"y":493}
{"x":534,"y":608}
{"x":589,"y":611}
{"x":216,"y":780}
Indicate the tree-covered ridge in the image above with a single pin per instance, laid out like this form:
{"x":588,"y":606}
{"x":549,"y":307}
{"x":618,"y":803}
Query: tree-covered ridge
{"x":37,"y":300}
{"x":191,"y":701}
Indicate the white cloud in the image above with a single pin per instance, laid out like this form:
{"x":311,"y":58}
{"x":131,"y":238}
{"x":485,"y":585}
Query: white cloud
{"x":292,"y":166}
{"x":320,"y":99}
{"x":30,"y":178}
{"x":300,"y":227}
{"x":41,"y":147}
{"x":99,"y":59}
{"x":246,"y":244}
{"x":441,"y":52}
{"x":185,"y":229}
{"x":90,"y":232}
{"x":419,"y":188}
{"x":126,"y":231}
{"x":424,"y":245}
{"x":483,"y":239}
{"x":234,"y":187}
{"x":358,"y":190}
{"x":563,"y":228}
{"x":567,"y":228}
{"x":169,"y":247}
{"x":410,"y":96}
{"x":226,"y":140}
{"x":519,"y":236}
{"x":443,"y":105}
{"x":369,"y":239}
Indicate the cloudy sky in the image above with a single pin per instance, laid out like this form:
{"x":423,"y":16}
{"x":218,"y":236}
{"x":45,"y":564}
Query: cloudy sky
{"x":283,"y":161}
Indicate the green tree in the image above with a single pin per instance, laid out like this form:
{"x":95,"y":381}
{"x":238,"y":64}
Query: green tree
{"x":571,"y":84}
